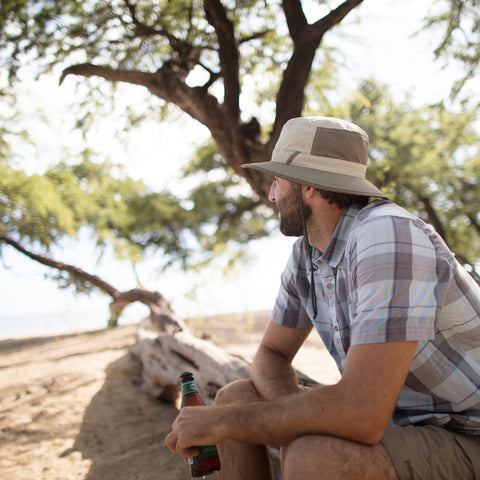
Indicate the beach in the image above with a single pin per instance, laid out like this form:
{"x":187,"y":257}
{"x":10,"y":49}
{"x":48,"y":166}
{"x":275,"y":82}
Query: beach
{"x":72,"y":406}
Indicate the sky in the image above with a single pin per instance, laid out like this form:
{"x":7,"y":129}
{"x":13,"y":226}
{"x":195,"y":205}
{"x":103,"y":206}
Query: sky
{"x":377,"y":40}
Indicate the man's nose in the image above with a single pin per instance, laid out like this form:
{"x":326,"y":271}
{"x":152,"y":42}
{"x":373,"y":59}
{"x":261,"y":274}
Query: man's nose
{"x":271,"y":193}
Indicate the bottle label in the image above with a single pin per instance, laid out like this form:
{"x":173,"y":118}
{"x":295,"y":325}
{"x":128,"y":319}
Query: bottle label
{"x":189,"y":387}
{"x":206,"y":451}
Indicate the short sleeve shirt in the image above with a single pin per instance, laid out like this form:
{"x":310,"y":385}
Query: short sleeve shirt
{"x":386,"y":276}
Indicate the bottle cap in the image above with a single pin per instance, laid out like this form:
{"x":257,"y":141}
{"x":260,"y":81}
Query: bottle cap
{"x":186,"y":374}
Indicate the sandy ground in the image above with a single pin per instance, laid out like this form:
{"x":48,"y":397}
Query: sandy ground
{"x":71,"y":406}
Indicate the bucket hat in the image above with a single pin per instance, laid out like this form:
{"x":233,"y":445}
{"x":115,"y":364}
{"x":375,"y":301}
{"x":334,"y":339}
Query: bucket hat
{"x":322,"y":152}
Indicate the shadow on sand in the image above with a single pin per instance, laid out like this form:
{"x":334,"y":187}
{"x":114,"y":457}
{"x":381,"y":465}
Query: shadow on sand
{"x":122,"y":431}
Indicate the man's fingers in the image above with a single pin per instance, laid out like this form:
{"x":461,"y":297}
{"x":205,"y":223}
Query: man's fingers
{"x":188,"y":432}
{"x":171,"y":441}
{"x":192,"y":452}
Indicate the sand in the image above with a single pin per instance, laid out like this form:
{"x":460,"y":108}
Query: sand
{"x":71,"y":406}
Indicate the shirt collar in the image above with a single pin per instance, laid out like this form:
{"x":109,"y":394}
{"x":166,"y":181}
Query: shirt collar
{"x":336,"y":247}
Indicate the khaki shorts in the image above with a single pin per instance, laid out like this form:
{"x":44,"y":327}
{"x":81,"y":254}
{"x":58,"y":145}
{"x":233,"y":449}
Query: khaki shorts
{"x":434,"y":453}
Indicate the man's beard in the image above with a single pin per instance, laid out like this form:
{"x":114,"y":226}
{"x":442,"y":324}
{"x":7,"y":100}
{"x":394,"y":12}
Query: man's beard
{"x":291,"y":223}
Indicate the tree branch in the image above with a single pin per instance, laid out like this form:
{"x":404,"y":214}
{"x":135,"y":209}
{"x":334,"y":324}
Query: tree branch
{"x":306,"y":38}
{"x":160,"y":313}
{"x":228,"y":54}
{"x":333,"y":18}
{"x":70,"y":269}
{"x":254,"y":36}
{"x":140,"y":27}
{"x":164,"y":84}
{"x":110,"y":74}
{"x":432,"y":216}
{"x":187,"y":55}
{"x":296,"y":20}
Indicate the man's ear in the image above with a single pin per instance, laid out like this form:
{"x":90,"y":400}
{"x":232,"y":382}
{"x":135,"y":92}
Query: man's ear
{"x":308,"y":192}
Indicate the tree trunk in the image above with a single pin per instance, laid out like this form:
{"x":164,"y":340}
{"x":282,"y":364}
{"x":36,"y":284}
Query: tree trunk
{"x":164,"y":356}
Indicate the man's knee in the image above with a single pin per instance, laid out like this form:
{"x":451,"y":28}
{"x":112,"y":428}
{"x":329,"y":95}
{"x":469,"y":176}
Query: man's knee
{"x":296,"y":459}
{"x":238,"y":390}
{"x":324,"y":456}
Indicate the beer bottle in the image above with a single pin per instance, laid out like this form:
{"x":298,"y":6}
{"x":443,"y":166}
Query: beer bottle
{"x":207,"y":461}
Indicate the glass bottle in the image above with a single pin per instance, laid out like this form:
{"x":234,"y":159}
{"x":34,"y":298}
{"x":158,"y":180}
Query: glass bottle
{"x":207,"y":461}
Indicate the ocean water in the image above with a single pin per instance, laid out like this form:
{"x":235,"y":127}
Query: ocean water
{"x":32,"y":305}
{"x":65,"y":318}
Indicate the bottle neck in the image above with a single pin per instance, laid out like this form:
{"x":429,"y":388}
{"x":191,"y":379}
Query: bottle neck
{"x":189,"y":387}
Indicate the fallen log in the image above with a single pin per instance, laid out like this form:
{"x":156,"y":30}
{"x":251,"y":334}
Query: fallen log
{"x":165,"y":356}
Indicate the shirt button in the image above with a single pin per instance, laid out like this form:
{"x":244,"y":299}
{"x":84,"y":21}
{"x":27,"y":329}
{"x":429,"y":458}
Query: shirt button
{"x":336,"y":328}
{"x":329,"y":285}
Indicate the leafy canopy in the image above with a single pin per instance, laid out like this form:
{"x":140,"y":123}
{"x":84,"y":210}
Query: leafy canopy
{"x":460,"y":23}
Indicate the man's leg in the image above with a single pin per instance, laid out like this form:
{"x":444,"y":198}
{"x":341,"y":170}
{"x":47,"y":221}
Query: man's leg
{"x":428,"y":451}
{"x":320,"y":457}
{"x":423,"y":451}
{"x":241,"y":461}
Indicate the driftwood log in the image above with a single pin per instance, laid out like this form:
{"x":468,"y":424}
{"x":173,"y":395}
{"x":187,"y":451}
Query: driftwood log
{"x":164,"y":356}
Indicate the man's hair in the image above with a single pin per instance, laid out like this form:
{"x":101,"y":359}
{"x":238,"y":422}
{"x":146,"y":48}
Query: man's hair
{"x":343,"y":200}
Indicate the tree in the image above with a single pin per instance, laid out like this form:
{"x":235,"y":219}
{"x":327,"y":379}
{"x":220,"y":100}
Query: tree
{"x":197,"y":56}
{"x":460,"y":22}
{"x":39,"y":210}
{"x":200,"y":57}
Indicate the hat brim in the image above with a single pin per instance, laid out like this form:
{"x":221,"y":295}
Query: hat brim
{"x":332,"y":182}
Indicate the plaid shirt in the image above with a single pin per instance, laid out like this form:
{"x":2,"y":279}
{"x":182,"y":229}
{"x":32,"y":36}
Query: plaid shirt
{"x":387,"y":276}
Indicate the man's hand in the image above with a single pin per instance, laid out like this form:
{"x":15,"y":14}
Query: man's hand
{"x":194,"y":426}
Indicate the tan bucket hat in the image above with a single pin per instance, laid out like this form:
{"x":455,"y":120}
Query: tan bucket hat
{"x":322,"y":152}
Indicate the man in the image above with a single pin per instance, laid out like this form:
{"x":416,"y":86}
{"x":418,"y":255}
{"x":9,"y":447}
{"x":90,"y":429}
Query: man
{"x":397,"y":312}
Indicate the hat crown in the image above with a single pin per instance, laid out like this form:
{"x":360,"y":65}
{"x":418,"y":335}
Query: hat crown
{"x":317,"y":139}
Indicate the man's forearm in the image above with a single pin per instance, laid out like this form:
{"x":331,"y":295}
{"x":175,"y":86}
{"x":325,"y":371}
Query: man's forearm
{"x":273,"y":375}
{"x":327,"y":410}
{"x":358,"y":407}
{"x":323,"y":410}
